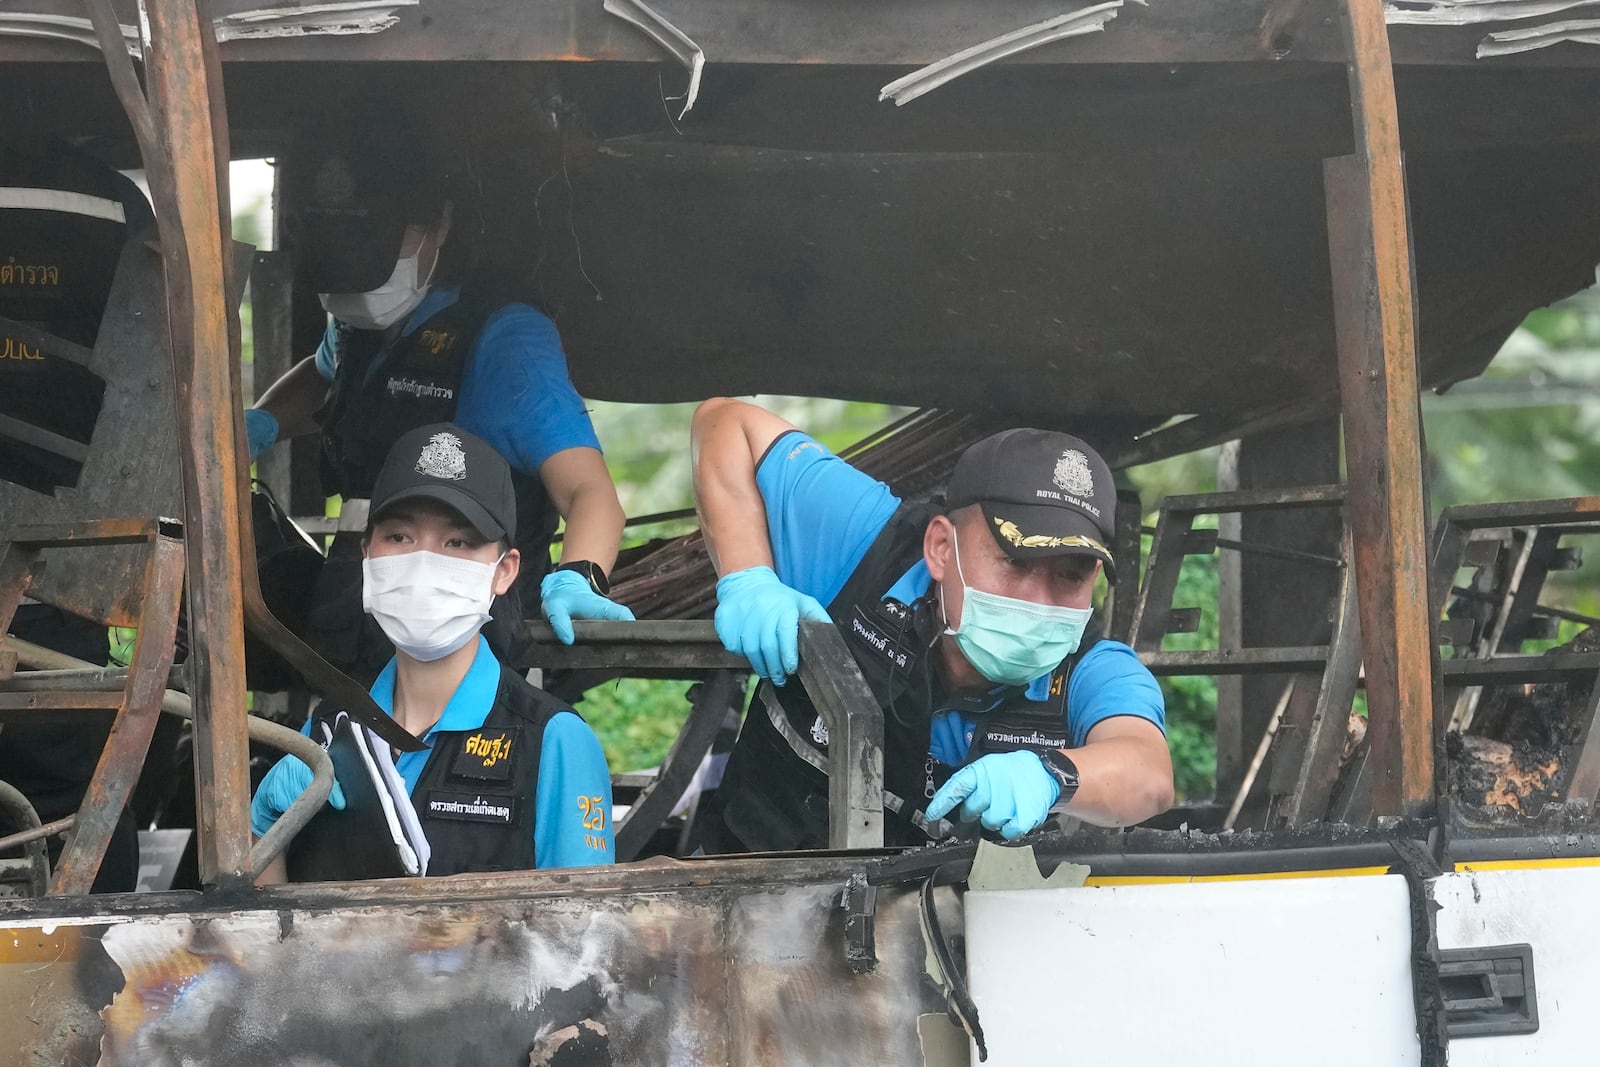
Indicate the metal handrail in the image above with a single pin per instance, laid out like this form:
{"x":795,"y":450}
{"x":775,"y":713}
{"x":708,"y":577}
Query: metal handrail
{"x":58,"y":671}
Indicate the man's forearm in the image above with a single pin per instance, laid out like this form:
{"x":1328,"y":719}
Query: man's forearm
{"x":295,"y":399}
{"x":594,"y":526}
{"x":733,"y":517}
{"x":1121,"y":781}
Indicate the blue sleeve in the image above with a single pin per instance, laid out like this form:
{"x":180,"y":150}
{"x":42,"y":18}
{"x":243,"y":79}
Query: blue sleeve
{"x":516,"y":394}
{"x":1109,"y":681}
{"x":327,"y":353}
{"x":822,"y":514}
{"x":572,"y":821}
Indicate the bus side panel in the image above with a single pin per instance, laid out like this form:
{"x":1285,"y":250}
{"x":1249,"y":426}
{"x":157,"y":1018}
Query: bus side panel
{"x":1552,"y":909}
{"x":1305,"y":971}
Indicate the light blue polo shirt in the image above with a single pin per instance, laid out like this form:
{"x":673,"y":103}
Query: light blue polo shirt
{"x":822,"y":517}
{"x":515,"y":390}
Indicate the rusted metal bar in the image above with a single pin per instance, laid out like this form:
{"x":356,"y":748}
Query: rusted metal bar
{"x":61,"y":681}
{"x":1256,"y":548}
{"x":1318,"y":770}
{"x":1127,"y":547}
{"x":186,"y":165}
{"x":19,"y":565}
{"x":1161,"y":580}
{"x":1504,"y":670}
{"x":1236,"y":660}
{"x":92,"y":532}
{"x":1369,"y":245}
{"x":1445,"y":557}
{"x":19,"y":707}
{"x":716,"y":694}
{"x":1524,"y":599}
{"x":1243,"y":500}
{"x":628,"y":646}
{"x":1523,"y":512}
{"x":38,"y":833}
{"x":123,"y":756}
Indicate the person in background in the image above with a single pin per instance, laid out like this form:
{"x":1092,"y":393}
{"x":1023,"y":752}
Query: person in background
{"x":418,"y":334}
{"x":435,"y":556}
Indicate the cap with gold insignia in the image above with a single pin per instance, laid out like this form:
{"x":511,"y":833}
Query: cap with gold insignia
{"x":443,"y":462}
{"x":1042,"y":494}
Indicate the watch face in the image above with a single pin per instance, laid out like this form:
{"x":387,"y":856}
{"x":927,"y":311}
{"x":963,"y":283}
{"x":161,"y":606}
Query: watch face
{"x":592,"y":572}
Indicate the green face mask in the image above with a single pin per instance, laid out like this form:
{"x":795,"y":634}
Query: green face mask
{"x":1012,"y":641}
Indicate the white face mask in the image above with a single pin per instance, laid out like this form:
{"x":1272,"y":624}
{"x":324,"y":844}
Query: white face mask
{"x":428,"y":604}
{"x":399,"y":296}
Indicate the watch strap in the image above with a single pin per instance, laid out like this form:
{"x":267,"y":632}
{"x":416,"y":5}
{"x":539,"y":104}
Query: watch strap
{"x":1059,"y":766}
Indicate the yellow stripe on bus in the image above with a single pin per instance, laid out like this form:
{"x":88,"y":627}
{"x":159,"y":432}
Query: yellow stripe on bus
{"x":1183,"y":879}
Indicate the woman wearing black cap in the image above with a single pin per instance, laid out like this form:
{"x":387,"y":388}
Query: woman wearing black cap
{"x":415,"y":336}
{"x":511,"y":778}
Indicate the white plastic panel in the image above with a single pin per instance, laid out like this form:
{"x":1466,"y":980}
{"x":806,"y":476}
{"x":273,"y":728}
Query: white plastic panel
{"x":1305,"y":971}
{"x":1552,"y":909}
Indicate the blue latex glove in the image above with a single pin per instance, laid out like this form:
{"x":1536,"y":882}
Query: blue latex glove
{"x":758,"y":617}
{"x":567,"y":595}
{"x":281,"y":787}
{"x":1007,"y":791}
{"x":261,"y":429}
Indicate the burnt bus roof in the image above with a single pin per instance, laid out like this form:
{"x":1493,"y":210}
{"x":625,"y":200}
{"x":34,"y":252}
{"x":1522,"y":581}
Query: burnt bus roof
{"x":1125,"y":225}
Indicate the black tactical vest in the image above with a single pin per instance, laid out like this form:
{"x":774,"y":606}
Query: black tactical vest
{"x":475,"y":799}
{"x":418,"y":382}
{"x":774,"y":792}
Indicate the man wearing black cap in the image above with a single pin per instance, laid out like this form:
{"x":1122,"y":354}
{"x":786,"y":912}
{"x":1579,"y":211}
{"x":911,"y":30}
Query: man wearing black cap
{"x":511,"y":778}
{"x":967,"y":616}
{"x":418,"y":333}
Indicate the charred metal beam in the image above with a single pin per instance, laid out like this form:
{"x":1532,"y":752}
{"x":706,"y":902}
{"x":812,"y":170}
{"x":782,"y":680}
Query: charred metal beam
{"x":1369,"y":243}
{"x":1222,"y":661}
{"x":186,"y":165}
{"x":1508,"y":670}
{"x":1318,"y":770}
{"x":138,"y":706}
{"x":1523,"y":512}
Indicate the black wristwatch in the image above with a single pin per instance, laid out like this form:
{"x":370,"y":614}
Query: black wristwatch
{"x":592,"y":573}
{"x":1064,"y":771}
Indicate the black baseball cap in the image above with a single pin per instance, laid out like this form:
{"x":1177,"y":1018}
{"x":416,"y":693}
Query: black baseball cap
{"x":1042,"y":494}
{"x":456,"y":467}
{"x":349,"y":192}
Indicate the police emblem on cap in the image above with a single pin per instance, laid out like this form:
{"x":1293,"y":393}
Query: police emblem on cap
{"x":442,"y":457}
{"x":334,"y":184}
{"x":1073,"y":475}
